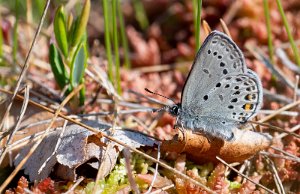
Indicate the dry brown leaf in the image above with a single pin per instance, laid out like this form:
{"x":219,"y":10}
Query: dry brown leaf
{"x":75,"y":149}
{"x":201,"y":150}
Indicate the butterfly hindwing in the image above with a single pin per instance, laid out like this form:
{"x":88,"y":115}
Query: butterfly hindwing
{"x":234,"y":98}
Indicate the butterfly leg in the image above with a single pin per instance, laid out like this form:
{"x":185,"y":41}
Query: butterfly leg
{"x":182,"y":129}
{"x":175,"y":126}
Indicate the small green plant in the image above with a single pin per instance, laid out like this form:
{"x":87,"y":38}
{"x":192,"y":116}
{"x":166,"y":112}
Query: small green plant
{"x":116,"y":180}
{"x":68,"y":57}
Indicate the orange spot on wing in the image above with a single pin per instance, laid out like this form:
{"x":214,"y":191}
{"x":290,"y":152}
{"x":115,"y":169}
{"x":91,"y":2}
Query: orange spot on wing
{"x":249,"y":97}
{"x":248,"y":107}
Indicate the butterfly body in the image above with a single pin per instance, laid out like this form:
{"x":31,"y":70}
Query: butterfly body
{"x":220,"y":93}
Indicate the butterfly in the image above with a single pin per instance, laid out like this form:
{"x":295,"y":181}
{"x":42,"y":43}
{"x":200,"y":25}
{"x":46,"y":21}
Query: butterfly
{"x":220,"y":93}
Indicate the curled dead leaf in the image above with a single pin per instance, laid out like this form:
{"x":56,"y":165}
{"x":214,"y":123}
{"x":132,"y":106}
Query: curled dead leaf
{"x":199,"y":149}
{"x":77,"y":147}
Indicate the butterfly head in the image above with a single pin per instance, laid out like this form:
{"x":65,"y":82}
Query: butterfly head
{"x":174,"y":110}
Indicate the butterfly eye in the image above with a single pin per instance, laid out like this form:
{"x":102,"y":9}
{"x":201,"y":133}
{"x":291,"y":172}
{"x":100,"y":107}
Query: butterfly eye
{"x":175,"y":110}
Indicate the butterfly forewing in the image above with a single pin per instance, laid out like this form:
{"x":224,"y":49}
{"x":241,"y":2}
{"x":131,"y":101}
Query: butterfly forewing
{"x":217,"y":58}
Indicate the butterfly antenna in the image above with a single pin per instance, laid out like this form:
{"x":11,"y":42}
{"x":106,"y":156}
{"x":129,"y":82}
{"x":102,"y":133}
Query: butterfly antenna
{"x":159,"y":94}
{"x":161,"y":109}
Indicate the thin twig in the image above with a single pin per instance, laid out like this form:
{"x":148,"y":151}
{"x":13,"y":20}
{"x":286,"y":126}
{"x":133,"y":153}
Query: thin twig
{"x":56,"y":147}
{"x":123,"y":103}
{"x":163,"y":67}
{"x":276,"y":97}
{"x":98,"y":75}
{"x":16,"y":128}
{"x":235,"y":170}
{"x":46,"y":89}
{"x":45,"y":98}
{"x":280,"y":156}
{"x":127,"y":157}
{"x":71,"y":190}
{"x":286,"y":61}
{"x":163,"y":189}
{"x":42,"y":122}
{"x":275,"y":128}
{"x":278,"y":182}
{"x":26,"y":140}
{"x":287,"y":45}
{"x":109,"y":147}
{"x":245,"y":167}
{"x":257,"y":53}
{"x":285,"y":113}
{"x":296,"y":88}
{"x":26,"y":64}
{"x":225,"y":28}
{"x":286,"y":153}
{"x":206,"y":27}
{"x":293,"y":129}
{"x":121,"y":112}
{"x":284,"y":108}
{"x":277,"y":72}
{"x":156,"y":170}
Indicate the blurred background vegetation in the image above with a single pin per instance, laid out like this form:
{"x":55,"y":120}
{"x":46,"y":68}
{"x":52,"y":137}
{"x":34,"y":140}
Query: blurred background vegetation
{"x":133,"y":44}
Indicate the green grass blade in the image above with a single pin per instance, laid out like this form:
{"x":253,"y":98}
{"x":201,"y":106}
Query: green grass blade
{"x":287,"y":28}
{"x":78,"y":65}
{"x":116,"y":45}
{"x":60,"y":30}
{"x":15,"y":32}
{"x":140,"y":14}
{"x":107,"y":40}
{"x":1,"y":42}
{"x":268,"y":24}
{"x":57,"y":67}
{"x":195,"y":14}
{"x":199,"y":10}
{"x":82,"y":94}
{"x":83,"y":20}
{"x":123,"y":36}
{"x":69,"y":22}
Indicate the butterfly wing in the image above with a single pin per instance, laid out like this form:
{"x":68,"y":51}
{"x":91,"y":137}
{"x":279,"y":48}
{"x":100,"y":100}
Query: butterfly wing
{"x":218,"y":56}
{"x":220,"y":92}
{"x":234,"y":98}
